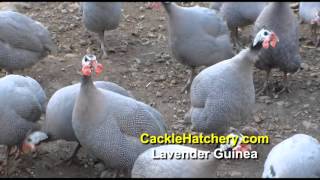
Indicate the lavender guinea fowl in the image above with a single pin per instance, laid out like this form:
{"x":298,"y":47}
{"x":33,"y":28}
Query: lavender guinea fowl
{"x":197,"y":36}
{"x":23,"y":41}
{"x":109,"y":124}
{"x":279,"y":17}
{"x":99,"y":17}
{"x":295,"y":157}
{"x":309,"y":12}
{"x":223,"y":94}
{"x":57,"y":124}
{"x":23,"y":102}
{"x":240,"y":14}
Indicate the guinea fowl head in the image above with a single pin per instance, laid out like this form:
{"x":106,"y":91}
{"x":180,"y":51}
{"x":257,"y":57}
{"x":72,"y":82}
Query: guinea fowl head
{"x":90,"y":64}
{"x":264,"y":39}
{"x":30,"y":142}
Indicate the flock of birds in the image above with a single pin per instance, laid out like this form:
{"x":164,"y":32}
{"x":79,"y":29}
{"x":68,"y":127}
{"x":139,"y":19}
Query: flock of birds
{"x":107,"y":120}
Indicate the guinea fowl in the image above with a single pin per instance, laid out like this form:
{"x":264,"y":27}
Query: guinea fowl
{"x":197,"y":36}
{"x":309,"y":12}
{"x":295,"y":157}
{"x":109,"y":124}
{"x":57,"y":124}
{"x":23,"y":41}
{"x":148,"y":167}
{"x":215,"y":5}
{"x":279,"y":17}
{"x":23,"y":102}
{"x":223,"y":94}
{"x":240,"y":14}
{"x":99,"y":17}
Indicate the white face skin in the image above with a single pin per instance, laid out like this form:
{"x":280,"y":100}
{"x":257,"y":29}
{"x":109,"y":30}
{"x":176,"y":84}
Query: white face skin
{"x":87,"y":59}
{"x":36,"y":137}
{"x":262,"y":35}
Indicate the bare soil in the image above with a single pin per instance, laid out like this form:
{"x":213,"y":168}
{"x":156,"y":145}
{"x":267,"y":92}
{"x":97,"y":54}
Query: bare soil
{"x":140,"y":61}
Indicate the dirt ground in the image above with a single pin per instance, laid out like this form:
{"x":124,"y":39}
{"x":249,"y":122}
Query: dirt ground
{"x":139,"y":60}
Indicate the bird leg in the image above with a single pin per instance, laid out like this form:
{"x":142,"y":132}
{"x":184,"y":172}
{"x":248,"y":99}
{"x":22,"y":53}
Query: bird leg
{"x":313,"y":28}
{"x":285,"y":84}
{"x":235,"y":39}
{"x":4,"y":155}
{"x":265,"y":84}
{"x":70,"y":159}
{"x":9,"y":72}
{"x":188,"y":84}
{"x":14,"y":151}
{"x":102,"y":46}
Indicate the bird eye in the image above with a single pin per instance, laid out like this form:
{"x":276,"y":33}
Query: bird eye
{"x":28,"y":140}
{"x":86,"y":59}
{"x":265,"y":33}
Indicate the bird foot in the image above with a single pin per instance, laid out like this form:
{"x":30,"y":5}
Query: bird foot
{"x":15,"y":151}
{"x":284,"y":89}
{"x":263,"y":90}
{"x":110,"y":174}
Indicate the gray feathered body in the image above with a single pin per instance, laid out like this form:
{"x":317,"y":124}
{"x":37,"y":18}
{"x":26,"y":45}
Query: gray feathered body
{"x":295,"y":157}
{"x":109,"y":125}
{"x":60,"y":106}
{"x":23,"y":41}
{"x":215,"y":5}
{"x":197,"y":35}
{"x":23,"y":101}
{"x":240,"y":14}
{"x":101,"y":16}
{"x":279,"y":17}
{"x":147,"y":167}
{"x":222,"y":94}
{"x":307,"y":10}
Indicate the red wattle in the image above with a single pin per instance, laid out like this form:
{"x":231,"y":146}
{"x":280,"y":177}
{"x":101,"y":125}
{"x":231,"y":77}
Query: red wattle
{"x":99,"y":68}
{"x":265,"y":43}
{"x":86,"y":70}
{"x":273,"y":43}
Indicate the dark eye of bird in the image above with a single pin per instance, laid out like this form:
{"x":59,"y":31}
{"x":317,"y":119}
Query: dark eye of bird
{"x":86,"y":59}
{"x":29,"y":140}
{"x":265,"y":33}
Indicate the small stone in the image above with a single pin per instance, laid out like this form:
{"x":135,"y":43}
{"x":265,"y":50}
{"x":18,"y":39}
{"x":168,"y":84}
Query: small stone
{"x":257,"y":119}
{"x":268,"y":101}
{"x":280,"y":103}
{"x":99,"y":167}
{"x":158,"y":94}
{"x":316,"y":74}
{"x":69,"y":56}
{"x":160,"y":78}
{"x":286,"y":104}
{"x":235,"y":174}
{"x":173,"y":81}
{"x":308,"y":125}
{"x":287,"y":127}
{"x":306,"y":105}
{"x":83,"y":43}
